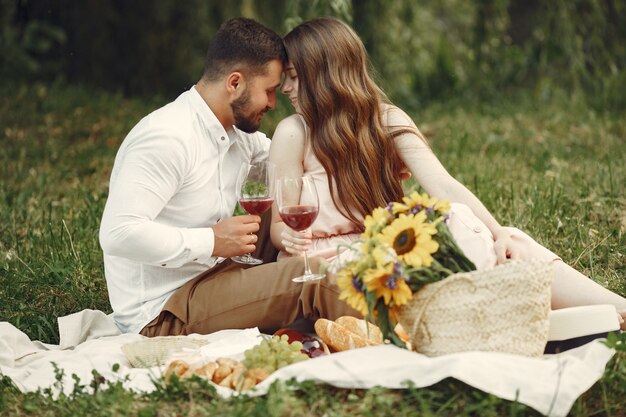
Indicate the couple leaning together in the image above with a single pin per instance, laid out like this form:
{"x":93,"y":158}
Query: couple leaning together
{"x":168,"y":228}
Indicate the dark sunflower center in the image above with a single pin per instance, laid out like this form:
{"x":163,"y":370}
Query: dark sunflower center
{"x":404,"y":242}
{"x":392,"y":281}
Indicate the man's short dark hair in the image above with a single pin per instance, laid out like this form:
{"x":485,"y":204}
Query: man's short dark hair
{"x":243,"y":45}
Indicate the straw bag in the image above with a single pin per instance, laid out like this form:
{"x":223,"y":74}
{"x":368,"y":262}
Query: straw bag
{"x":154,"y":351}
{"x":503,"y":309}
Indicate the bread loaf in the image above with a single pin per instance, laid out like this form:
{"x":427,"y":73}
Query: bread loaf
{"x":362,"y":328}
{"x":339,"y":337}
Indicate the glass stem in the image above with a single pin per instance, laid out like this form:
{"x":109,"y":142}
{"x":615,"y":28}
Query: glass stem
{"x":307,"y":269}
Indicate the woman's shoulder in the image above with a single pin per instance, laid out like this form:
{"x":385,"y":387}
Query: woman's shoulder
{"x":289,"y":138}
{"x":394,"y":116}
{"x":291,"y":127}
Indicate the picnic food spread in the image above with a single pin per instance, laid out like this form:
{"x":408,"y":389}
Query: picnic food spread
{"x":285,"y":347}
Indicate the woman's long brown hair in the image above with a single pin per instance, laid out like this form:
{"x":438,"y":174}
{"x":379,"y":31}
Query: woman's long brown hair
{"x":341,"y":106}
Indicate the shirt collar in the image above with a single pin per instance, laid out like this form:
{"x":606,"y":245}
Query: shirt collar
{"x":209,"y":119}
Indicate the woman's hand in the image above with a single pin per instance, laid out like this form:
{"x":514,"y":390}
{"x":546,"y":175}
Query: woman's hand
{"x":505,"y":247}
{"x":295,"y":242}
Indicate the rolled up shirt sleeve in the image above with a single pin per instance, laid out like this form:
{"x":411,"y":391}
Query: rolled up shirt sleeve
{"x":151,"y":243}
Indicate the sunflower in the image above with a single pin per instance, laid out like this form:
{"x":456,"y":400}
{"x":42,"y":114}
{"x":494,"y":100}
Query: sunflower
{"x":411,"y":237}
{"x":396,"y":249}
{"x":416,"y":199}
{"x":383,"y":254}
{"x":415,"y":202}
{"x":399,"y":208}
{"x":374,"y":222}
{"x":352,"y":290}
{"x":442,"y":206}
{"x":389,"y":284}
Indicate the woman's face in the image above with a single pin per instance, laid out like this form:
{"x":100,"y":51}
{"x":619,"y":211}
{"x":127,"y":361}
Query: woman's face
{"x":290,"y":85}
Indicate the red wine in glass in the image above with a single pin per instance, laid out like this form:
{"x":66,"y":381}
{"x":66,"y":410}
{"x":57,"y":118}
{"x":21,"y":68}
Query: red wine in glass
{"x":255,"y":192}
{"x":256,"y":206}
{"x":298,"y":207}
{"x":299,"y":217}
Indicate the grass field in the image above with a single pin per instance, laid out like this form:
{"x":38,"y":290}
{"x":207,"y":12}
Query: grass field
{"x":554,"y":169}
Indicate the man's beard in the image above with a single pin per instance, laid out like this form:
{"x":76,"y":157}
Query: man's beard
{"x":244,"y":121}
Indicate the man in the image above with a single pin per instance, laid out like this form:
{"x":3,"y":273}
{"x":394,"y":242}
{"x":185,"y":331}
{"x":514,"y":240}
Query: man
{"x":167,"y":230}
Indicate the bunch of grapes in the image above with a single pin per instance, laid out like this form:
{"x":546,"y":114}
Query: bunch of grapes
{"x":274,"y":353}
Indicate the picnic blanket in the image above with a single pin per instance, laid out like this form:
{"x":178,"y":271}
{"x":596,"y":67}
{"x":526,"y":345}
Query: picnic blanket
{"x":90,"y":340}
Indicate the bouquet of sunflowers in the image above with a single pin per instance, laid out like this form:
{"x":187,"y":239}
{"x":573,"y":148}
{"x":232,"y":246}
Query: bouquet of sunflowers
{"x":404,"y":247}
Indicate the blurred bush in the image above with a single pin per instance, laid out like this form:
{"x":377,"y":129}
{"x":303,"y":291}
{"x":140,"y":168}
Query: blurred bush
{"x":422,"y":51}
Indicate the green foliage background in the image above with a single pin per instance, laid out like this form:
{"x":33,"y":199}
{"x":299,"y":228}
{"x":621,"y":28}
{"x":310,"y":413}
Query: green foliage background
{"x":423,"y":50}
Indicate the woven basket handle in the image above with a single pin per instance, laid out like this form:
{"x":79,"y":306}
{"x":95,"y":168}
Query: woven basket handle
{"x":426,"y":303}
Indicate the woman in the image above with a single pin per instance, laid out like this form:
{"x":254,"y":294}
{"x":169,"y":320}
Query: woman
{"x":349,"y":137}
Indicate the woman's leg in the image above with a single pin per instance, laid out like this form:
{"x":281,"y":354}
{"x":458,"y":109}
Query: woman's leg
{"x":571,"y":288}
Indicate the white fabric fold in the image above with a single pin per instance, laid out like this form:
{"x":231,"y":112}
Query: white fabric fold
{"x":90,"y":340}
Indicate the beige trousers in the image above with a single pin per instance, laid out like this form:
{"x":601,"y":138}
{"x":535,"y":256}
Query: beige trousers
{"x":235,"y":296}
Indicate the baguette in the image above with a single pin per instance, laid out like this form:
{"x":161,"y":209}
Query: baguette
{"x":339,"y":337}
{"x":362,"y":328}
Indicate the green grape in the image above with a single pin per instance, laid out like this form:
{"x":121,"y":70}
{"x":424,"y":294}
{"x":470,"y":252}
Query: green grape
{"x":274,"y":353}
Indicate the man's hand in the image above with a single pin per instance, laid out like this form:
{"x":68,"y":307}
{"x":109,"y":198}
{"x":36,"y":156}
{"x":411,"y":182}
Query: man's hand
{"x":235,"y":236}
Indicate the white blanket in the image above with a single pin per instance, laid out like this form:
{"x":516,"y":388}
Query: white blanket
{"x":90,"y":340}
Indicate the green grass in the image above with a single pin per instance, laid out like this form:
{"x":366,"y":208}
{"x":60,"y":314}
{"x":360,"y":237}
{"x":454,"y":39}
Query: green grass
{"x":554,"y":169}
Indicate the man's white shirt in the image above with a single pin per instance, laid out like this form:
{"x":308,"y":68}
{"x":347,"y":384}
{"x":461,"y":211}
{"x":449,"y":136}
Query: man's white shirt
{"x":173,"y":178}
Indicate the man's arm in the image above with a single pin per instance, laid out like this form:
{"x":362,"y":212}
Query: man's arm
{"x":148,"y":173}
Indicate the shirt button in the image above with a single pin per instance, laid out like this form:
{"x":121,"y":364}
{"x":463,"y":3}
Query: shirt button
{"x":195,"y":259}
{"x":477,"y":229}
{"x":163,"y":264}
{"x":223,"y":138}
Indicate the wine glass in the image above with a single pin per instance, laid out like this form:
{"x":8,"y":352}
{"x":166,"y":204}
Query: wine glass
{"x":298,"y":206}
{"x":255,"y":195}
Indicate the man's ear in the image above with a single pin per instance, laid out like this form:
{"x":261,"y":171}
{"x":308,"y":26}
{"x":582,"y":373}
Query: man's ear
{"x":235,"y":83}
